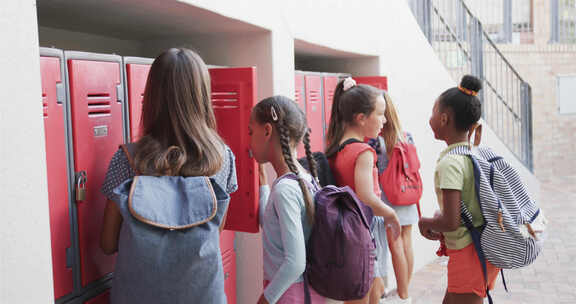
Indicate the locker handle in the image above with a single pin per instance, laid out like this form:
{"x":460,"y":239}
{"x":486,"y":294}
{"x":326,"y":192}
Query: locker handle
{"x":119,"y":93}
{"x":60,"y":93}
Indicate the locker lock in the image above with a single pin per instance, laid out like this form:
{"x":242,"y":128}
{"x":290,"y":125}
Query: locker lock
{"x":81,"y":180}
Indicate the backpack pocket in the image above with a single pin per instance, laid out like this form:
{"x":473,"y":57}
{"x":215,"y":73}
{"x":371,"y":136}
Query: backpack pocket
{"x":174,"y":202}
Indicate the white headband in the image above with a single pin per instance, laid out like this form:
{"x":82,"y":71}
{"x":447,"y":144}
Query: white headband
{"x":349,"y":83}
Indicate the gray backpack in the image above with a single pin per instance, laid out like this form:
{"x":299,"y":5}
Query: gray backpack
{"x":169,"y":242}
{"x":514,"y":226}
{"x":513,"y":233}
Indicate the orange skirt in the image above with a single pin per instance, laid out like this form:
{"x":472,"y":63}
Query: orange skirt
{"x":465,"y":272}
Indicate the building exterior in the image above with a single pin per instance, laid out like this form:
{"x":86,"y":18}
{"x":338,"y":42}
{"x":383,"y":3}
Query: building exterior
{"x":361,"y":38}
{"x":542,"y":48}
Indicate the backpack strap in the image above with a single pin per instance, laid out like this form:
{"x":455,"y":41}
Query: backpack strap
{"x":129,"y":151}
{"x":476,"y":129}
{"x":344,"y":144}
{"x":314,"y":186}
{"x":349,"y":141}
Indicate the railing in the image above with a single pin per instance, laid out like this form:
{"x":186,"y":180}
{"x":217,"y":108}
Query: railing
{"x":506,"y":21}
{"x":563,"y":21}
{"x":465,"y":48}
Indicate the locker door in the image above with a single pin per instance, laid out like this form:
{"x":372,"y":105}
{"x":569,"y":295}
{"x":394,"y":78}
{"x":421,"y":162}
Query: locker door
{"x":227,"y":241}
{"x":53,"y":97}
{"x":299,"y":96}
{"x":136,"y":76}
{"x":229,"y":263}
{"x":103,"y":298}
{"x":314,"y":111}
{"x":97,"y":133}
{"x":233,"y":96}
{"x":330,"y":83}
{"x":380,"y":82}
{"x":300,"y":99}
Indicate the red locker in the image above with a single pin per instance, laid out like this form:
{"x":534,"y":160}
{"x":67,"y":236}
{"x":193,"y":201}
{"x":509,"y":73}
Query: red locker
{"x":136,"y":76}
{"x":227,"y":241}
{"x":300,"y":99}
{"x":330,"y":82}
{"x":53,"y":100}
{"x":103,"y":298}
{"x":380,"y":82}
{"x":97,"y":121}
{"x":314,"y":111}
{"x":299,"y":95}
{"x":233,"y":96}
{"x":229,"y":264}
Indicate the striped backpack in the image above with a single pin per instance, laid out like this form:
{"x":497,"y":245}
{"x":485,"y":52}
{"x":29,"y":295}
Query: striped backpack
{"x":514,"y":226}
{"x":513,"y":232}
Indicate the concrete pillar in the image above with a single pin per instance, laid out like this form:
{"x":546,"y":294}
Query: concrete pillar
{"x":25,"y":255}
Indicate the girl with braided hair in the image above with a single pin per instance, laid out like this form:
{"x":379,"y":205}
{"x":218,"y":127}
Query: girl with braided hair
{"x":276,"y":127}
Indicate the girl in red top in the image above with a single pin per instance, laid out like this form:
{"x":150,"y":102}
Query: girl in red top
{"x":358,"y":113}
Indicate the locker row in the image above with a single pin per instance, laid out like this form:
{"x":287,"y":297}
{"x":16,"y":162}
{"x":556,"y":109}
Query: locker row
{"x":314,"y":93}
{"x":92,"y":104}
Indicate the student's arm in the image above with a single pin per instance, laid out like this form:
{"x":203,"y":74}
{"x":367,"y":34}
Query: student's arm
{"x":287,"y":202}
{"x":231,"y":184}
{"x":449,"y":218}
{"x":364,"y":185}
{"x":110,"y":228}
{"x":451,"y":183}
{"x":264,"y":191}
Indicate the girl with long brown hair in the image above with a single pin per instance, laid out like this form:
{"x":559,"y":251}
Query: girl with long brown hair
{"x":186,"y":166}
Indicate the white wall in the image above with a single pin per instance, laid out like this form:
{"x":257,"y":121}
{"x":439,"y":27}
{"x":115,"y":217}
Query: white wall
{"x":25,"y":256}
{"x":384,"y":32}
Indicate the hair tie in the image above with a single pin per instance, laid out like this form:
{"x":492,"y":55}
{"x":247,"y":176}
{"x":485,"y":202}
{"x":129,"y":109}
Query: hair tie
{"x":349,"y":83}
{"x":467,"y":91}
{"x":274,"y":114}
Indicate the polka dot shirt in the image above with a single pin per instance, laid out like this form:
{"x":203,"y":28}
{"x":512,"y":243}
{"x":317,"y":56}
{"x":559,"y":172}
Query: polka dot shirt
{"x":119,"y":170}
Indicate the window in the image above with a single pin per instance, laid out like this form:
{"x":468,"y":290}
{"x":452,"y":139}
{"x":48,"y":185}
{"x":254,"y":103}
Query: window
{"x":563,"y":21}
{"x":566,"y":94}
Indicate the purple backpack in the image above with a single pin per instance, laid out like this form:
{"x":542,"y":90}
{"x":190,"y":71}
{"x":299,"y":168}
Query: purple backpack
{"x":341,"y":250}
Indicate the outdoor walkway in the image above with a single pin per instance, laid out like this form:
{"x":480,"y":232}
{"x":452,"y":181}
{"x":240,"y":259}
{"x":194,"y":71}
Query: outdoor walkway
{"x":550,"y":280}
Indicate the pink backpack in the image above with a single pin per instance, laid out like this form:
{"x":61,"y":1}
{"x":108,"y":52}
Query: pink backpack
{"x":401,"y":181}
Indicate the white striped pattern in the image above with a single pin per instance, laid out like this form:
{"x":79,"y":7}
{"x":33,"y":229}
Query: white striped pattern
{"x":504,"y":249}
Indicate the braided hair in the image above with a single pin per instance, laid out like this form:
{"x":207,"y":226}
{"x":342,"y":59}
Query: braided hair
{"x":290,"y":123}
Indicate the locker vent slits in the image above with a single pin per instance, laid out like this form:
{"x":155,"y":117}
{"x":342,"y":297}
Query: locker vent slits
{"x":44,"y":105}
{"x":330,"y":94}
{"x":98,"y":104}
{"x":314,"y":96}
{"x":224,"y":97}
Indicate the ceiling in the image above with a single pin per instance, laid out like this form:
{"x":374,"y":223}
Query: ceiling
{"x":136,"y":19}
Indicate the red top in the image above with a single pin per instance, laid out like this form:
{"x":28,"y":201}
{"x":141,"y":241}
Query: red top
{"x":343,"y":165}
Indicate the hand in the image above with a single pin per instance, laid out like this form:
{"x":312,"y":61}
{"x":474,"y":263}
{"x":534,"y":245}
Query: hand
{"x":393,"y":224}
{"x":426,"y":232}
{"x":263,"y":177}
{"x":263,"y":300}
